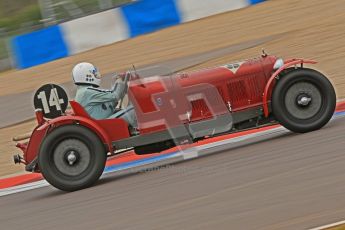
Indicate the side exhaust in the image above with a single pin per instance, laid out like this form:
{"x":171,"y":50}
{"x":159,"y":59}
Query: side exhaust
{"x":18,"y":159}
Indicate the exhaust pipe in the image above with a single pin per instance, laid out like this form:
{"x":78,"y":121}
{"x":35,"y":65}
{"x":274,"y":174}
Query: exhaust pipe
{"x":18,"y":159}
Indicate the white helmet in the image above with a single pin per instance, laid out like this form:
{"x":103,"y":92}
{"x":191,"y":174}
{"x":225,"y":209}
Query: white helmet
{"x":86,"y":74}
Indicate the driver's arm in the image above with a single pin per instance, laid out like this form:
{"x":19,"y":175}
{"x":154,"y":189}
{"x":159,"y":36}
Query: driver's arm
{"x":101,"y":95}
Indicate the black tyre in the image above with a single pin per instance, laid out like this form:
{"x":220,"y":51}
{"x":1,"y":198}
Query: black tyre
{"x":72,"y":157}
{"x":303,"y":100}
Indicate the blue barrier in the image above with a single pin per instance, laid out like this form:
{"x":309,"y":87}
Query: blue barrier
{"x":39,"y":47}
{"x":149,"y":15}
{"x":253,"y":2}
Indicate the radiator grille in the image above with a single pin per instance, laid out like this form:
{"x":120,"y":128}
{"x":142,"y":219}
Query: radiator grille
{"x":255,"y":89}
{"x":237,"y":93}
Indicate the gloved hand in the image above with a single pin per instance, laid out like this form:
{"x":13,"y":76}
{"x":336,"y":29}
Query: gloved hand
{"x":120,"y":76}
{"x":117,"y":79}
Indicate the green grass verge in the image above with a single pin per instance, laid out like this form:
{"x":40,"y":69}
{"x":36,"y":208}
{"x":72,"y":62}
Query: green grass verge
{"x":30,"y":15}
{"x":3,"y":48}
{"x":22,"y":16}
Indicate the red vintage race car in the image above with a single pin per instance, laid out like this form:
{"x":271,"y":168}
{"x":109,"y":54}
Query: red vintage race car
{"x":71,"y":149}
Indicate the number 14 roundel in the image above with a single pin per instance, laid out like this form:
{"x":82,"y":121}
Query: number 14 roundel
{"x":52,"y":100}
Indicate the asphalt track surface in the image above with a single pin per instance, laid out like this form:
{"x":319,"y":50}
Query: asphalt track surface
{"x":281,"y":181}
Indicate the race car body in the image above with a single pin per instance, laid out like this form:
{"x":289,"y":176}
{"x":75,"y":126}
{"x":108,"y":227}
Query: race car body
{"x":71,"y":149}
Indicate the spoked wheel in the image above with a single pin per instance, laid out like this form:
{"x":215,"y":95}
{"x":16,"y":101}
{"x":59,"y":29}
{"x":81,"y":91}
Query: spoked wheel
{"x":303,"y":100}
{"x":72,"y":158}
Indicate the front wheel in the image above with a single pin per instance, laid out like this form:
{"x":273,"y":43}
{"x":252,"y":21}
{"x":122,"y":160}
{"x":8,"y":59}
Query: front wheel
{"x":303,"y":100}
{"x":71,"y":158}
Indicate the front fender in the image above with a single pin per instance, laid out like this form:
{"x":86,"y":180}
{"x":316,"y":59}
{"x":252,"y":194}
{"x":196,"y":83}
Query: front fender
{"x":270,"y":82}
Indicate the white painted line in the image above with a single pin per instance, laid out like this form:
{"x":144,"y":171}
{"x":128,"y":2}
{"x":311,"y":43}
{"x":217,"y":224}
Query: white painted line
{"x":190,"y":153}
{"x":23,"y":188}
{"x":329,"y":225}
{"x":243,"y":138}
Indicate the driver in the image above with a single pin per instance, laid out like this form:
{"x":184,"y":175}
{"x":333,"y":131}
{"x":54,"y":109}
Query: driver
{"x":101,"y":103}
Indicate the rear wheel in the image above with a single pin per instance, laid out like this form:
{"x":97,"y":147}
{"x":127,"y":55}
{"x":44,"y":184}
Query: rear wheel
{"x":303,"y":100}
{"x":71,"y":158}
